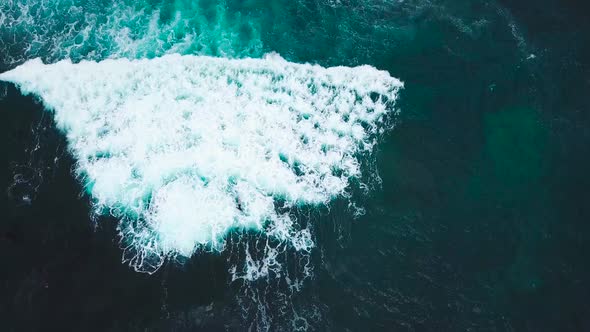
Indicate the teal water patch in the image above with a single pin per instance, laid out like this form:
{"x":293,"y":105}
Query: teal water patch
{"x":80,"y":29}
{"x":516,"y":144}
{"x":327,"y":31}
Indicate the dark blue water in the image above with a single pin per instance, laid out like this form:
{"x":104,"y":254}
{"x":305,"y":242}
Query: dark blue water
{"x":480,"y":223}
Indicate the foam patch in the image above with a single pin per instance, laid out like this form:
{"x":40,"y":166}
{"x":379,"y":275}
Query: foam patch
{"x":184,"y":149}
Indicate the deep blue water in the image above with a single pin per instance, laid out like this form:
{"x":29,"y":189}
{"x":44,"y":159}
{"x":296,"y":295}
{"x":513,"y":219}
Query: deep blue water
{"x":480,"y":222}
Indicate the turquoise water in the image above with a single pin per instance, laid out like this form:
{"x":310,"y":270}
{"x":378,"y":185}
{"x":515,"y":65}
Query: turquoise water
{"x":468,"y":213}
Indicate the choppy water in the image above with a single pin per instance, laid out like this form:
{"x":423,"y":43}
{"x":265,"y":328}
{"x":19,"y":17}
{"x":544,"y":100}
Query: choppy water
{"x":457,"y":203}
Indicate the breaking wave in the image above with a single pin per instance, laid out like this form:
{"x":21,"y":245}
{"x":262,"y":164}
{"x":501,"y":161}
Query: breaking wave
{"x":184,"y":149}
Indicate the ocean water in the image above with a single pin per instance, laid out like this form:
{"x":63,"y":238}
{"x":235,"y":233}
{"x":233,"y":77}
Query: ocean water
{"x":322,"y":165}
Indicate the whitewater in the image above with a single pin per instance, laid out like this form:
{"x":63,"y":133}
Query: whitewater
{"x":183,"y":149}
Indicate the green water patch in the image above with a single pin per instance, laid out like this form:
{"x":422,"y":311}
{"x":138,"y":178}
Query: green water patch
{"x":515,"y":145}
{"x":509,"y":187}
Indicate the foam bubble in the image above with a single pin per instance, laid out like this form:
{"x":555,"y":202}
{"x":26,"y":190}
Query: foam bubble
{"x":184,"y":149}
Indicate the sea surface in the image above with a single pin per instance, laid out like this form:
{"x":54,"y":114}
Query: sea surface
{"x":458,"y":200}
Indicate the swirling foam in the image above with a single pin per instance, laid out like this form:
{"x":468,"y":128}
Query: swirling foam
{"x":96,"y":30}
{"x":184,"y":149}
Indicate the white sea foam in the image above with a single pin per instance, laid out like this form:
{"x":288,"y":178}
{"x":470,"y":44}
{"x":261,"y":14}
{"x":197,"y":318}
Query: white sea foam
{"x":185,"y":148}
